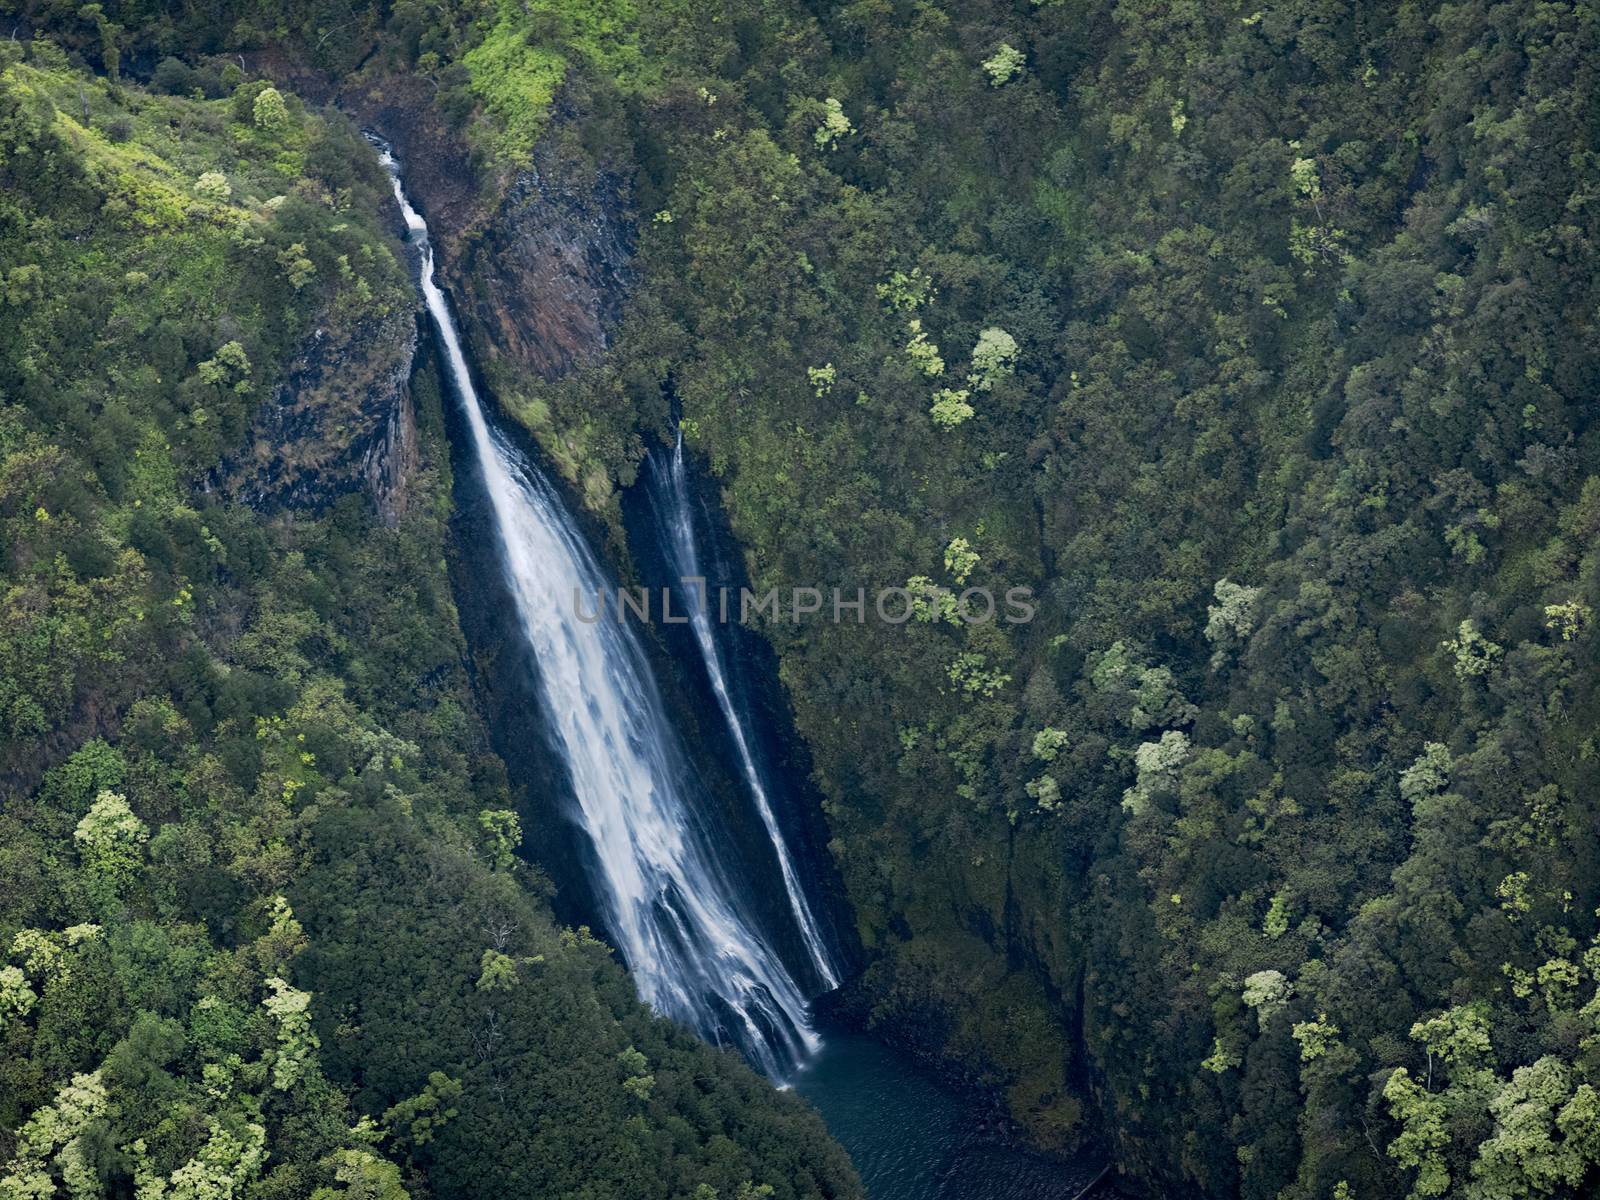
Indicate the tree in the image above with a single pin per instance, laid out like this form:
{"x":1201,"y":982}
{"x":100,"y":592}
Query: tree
{"x":269,"y":112}
{"x":1266,"y":992}
{"x":994,"y":357}
{"x":950,"y":408}
{"x":498,"y":973}
{"x":16,"y":997}
{"x":228,"y":366}
{"x":1048,"y":743}
{"x":110,"y":842}
{"x":1004,"y":65}
{"x":213,"y":186}
{"x":1156,"y":767}
{"x":834,"y":126}
{"x":291,"y":1010}
{"x":1423,"y":1136}
{"x":502,"y":830}
{"x":418,"y":1119}
{"x":1230,"y":620}
{"x":51,"y":1137}
{"x":960,"y":559}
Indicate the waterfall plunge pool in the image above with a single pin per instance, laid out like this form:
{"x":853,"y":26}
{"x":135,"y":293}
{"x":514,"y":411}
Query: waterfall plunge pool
{"x":913,"y":1138}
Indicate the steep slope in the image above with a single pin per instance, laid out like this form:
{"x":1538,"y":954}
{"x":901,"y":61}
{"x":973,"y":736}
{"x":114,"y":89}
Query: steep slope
{"x":1260,"y":345}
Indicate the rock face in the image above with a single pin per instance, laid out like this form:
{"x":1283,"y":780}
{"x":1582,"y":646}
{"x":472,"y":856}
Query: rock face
{"x":539,"y":268}
{"x":340,"y":420}
{"x":542,"y":286}
{"x":441,"y":179}
{"x":538,"y":262}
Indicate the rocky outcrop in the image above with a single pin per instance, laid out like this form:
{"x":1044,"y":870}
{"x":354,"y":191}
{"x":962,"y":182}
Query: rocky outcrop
{"x":539,"y":259}
{"x":542,"y":285}
{"x":341,"y":420}
{"x":441,"y":179}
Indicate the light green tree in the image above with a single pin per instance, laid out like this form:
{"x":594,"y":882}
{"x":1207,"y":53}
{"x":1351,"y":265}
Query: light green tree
{"x":50,"y":1138}
{"x":295,"y":263}
{"x":224,"y":1168}
{"x":960,"y":558}
{"x":229,"y":366}
{"x":904,"y":291}
{"x":498,"y":972}
{"x":1045,"y":791}
{"x":213,"y":186}
{"x":924,"y":355}
{"x":993,"y":358}
{"x":1569,"y":619}
{"x":502,"y":830}
{"x":17,"y":998}
{"x":950,"y":408}
{"x":1048,"y":743}
{"x":41,"y":953}
{"x":1156,"y":767}
{"x":970,"y":672}
{"x":638,"y":1081}
{"x":835,"y":125}
{"x":1428,"y":775}
{"x":1423,"y":1136}
{"x":364,"y":1175}
{"x":110,"y":841}
{"x":423,"y":1115}
{"x":1230,"y":620}
{"x":1544,"y":1135}
{"x":1266,"y":992}
{"x":297,"y":1042}
{"x":1004,"y":65}
{"x":1474,"y":654}
{"x":269,"y":112}
{"x":1315,"y":1037}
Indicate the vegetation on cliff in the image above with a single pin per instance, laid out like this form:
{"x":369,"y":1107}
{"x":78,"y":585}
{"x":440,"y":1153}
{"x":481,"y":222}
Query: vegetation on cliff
{"x":1272,"y":841}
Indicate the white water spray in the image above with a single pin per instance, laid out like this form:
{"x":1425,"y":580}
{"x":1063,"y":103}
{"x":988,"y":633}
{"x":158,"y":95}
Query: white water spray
{"x":683,"y":557}
{"x":694,"y":953}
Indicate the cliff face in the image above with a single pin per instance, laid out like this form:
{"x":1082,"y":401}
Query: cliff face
{"x":340,"y":420}
{"x":539,"y":259}
{"x":539,"y":263}
{"x":542,"y":286}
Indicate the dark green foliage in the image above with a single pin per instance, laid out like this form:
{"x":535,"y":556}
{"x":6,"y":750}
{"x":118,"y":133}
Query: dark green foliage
{"x":1298,"y":455}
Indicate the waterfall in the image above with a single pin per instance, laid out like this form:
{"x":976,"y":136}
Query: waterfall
{"x":694,"y":951}
{"x":676,"y":514}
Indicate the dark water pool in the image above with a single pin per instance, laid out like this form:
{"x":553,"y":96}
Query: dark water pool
{"x":911,"y":1138}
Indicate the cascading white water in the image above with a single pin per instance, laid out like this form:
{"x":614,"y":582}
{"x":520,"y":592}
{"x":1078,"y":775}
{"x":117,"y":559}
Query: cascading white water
{"x":676,"y":513}
{"x":694,"y":953}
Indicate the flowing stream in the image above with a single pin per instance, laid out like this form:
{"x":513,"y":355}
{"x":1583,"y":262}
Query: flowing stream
{"x":695,"y":952}
{"x":675,"y":509}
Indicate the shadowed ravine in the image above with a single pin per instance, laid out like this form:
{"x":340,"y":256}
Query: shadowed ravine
{"x":696,"y":955}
